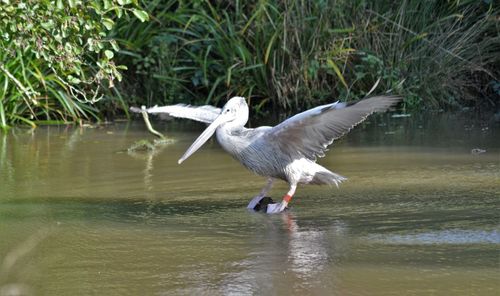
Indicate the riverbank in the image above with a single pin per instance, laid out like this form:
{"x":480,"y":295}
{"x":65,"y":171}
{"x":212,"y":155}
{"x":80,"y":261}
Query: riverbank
{"x":284,"y":56}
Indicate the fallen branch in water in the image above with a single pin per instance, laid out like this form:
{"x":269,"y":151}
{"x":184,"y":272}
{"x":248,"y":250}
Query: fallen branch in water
{"x":146,"y":120}
{"x":145,"y":145}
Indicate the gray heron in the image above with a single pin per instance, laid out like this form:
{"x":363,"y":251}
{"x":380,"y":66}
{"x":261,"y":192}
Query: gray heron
{"x":287,"y":151}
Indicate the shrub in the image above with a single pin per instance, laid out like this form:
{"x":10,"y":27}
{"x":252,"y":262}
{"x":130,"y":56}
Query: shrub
{"x":55,"y":57}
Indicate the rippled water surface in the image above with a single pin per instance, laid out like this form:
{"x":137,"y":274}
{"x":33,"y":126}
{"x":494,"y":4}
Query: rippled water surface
{"x":419,"y":215}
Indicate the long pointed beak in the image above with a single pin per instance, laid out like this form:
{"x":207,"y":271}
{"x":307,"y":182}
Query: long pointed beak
{"x":207,"y":133}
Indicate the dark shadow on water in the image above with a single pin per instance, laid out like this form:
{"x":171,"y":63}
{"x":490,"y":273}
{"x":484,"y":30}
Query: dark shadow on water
{"x":119,"y":209}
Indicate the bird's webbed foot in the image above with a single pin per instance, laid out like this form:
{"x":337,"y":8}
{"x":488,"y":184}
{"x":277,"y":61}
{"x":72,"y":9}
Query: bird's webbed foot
{"x":260,"y":202}
{"x":267,"y":205}
{"x":255,"y":203}
{"x":280,"y":207}
{"x":274,"y":208}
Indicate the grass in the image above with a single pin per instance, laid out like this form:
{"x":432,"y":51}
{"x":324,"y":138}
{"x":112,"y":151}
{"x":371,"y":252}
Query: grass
{"x":282,"y":55}
{"x":440,"y":54}
{"x":258,"y":51}
{"x":32,"y":94}
{"x":295,"y":54}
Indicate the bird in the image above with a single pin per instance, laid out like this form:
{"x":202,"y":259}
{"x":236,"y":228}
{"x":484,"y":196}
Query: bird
{"x":287,"y":151}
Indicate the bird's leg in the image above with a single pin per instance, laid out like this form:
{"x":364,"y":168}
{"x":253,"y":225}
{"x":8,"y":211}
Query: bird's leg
{"x":280,"y":207}
{"x":261,"y":195}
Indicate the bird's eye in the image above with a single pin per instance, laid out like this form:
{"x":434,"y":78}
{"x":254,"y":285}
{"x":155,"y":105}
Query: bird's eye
{"x":227,"y":111}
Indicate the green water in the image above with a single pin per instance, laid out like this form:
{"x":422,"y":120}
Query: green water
{"x":419,"y":215}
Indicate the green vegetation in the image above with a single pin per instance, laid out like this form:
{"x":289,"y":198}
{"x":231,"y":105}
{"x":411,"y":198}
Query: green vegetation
{"x":296,"y":54}
{"x":282,"y":55}
{"x":56,"y":58}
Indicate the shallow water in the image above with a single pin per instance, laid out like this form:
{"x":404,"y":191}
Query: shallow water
{"x":419,"y":215}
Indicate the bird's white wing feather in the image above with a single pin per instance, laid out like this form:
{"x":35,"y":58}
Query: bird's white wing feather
{"x":205,"y":113}
{"x":309,"y":133}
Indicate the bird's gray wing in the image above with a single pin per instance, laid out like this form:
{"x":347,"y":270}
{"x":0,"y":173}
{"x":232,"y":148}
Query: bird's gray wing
{"x":205,"y":113}
{"x":309,"y":133}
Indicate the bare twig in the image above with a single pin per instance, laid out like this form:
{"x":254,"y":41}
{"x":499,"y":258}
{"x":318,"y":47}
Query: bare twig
{"x":75,"y":92}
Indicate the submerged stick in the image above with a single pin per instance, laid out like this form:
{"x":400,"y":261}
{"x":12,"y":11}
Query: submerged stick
{"x":146,"y":120}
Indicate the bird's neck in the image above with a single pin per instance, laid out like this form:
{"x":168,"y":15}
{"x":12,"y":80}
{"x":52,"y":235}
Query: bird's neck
{"x":229,"y":137}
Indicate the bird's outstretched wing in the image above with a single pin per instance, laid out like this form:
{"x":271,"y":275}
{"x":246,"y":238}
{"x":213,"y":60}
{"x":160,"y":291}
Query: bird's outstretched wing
{"x":205,"y":113}
{"x":309,"y":133}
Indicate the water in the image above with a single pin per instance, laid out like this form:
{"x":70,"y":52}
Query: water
{"x":419,"y":215}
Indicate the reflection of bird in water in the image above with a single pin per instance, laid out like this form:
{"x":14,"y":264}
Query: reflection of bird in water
{"x":287,"y":151}
{"x":311,"y":248}
{"x":286,"y":257}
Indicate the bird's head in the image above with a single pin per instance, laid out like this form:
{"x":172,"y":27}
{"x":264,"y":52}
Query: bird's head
{"x":234,"y":114}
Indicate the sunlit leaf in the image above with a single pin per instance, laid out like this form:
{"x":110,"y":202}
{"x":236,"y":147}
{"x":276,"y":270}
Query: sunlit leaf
{"x":107,"y":4}
{"x":269,"y":47}
{"x":337,"y":71}
{"x":114,"y":45}
{"x":109,"y":54}
{"x":140,"y":14}
{"x":108,"y":23}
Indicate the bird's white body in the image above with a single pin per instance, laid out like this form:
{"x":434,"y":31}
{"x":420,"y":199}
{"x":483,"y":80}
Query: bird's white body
{"x":252,"y":148}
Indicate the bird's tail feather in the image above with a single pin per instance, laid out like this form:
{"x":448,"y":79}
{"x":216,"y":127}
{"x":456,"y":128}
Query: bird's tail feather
{"x":328,"y":178}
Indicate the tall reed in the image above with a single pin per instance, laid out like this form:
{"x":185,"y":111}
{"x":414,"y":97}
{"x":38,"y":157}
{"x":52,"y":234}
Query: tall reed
{"x":294,"y":54}
{"x":32,"y":94}
{"x":291,"y":53}
{"x":438,"y":53}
